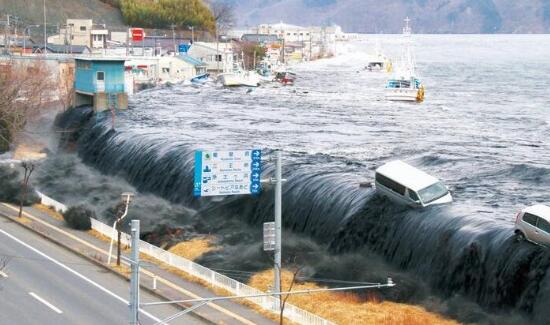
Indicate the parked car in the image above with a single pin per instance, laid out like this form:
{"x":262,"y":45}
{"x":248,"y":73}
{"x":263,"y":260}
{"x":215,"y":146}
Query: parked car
{"x":533,"y":224}
{"x":408,"y":185}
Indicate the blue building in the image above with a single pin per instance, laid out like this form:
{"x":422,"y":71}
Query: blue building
{"x":100,"y":82}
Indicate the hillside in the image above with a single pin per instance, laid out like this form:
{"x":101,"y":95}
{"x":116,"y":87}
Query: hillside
{"x":429,"y":16}
{"x":30,"y":11}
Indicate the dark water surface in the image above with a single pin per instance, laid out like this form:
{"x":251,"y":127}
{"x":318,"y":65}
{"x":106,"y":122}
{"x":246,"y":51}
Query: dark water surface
{"x":483,"y":129}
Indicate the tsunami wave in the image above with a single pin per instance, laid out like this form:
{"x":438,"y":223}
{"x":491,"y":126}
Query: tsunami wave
{"x":456,"y":251}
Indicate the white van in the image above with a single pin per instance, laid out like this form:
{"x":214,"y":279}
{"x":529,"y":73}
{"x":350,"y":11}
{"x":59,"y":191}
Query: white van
{"x":408,"y":185}
{"x":533,"y":224}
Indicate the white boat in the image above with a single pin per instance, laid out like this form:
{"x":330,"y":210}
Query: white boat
{"x":404,"y":85}
{"x":239,"y":77}
{"x":378,"y":61}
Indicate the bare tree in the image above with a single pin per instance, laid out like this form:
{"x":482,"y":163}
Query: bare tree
{"x":24,"y":90}
{"x":295,"y":273}
{"x":29,"y":168}
{"x":224,"y":15}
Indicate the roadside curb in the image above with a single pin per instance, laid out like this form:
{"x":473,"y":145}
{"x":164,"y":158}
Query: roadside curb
{"x":97,"y":262}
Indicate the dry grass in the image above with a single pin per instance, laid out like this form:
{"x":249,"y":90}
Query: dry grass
{"x":29,"y":151}
{"x":347,"y":308}
{"x":99,"y":235}
{"x":23,"y":219}
{"x":193,"y":248}
{"x":49,"y":211}
{"x":341,"y":308}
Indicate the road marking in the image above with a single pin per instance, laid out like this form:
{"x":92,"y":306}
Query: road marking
{"x":42,"y":300}
{"x":148,"y":273}
{"x":4,"y":275}
{"x":65,"y":267}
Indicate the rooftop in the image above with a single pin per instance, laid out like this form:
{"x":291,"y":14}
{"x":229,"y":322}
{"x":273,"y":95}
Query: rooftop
{"x":407,"y":175}
{"x":191,"y":60}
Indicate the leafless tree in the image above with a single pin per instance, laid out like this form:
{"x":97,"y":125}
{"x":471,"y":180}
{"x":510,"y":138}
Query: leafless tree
{"x":29,"y":168}
{"x":284,"y":299}
{"x":224,"y":15}
{"x":24,"y":90}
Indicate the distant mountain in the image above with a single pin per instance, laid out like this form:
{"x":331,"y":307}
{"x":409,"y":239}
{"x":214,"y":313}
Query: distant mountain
{"x":386,"y":16}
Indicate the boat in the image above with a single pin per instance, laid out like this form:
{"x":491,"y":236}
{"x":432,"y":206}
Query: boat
{"x":285,"y":77}
{"x":200,"y":79}
{"x":378,"y":61}
{"x":265,"y":72}
{"x":239,"y":77}
{"x":404,"y":85}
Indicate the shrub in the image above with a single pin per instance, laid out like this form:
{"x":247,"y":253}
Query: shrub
{"x":78,"y":217}
{"x":11,"y":189}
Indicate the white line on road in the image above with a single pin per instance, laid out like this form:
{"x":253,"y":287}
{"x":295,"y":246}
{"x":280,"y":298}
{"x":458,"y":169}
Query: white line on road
{"x":4,"y":275}
{"x":114,"y":295}
{"x":42,"y":300}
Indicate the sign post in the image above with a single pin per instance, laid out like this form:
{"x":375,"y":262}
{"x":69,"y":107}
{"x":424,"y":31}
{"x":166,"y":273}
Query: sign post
{"x":227,"y":172}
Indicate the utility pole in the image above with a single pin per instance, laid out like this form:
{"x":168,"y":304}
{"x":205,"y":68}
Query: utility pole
{"x":174,"y":38}
{"x":192,"y":28}
{"x":217,"y":49}
{"x":278,"y":224}
{"x":134,"y":280}
{"x":6,"y":28}
{"x":45,"y":33}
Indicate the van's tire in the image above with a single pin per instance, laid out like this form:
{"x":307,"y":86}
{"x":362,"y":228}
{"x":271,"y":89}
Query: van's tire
{"x":519,"y":236}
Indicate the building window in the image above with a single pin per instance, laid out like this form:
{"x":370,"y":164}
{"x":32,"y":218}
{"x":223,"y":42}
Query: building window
{"x":165,"y":70}
{"x":82,"y":28}
{"x":218,"y":58}
{"x":100,"y":76}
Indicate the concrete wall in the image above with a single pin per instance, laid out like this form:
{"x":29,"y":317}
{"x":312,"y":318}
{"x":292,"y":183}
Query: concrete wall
{"x":102,"y":102}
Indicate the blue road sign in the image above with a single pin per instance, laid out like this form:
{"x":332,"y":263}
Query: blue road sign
{"x":227,"y":172}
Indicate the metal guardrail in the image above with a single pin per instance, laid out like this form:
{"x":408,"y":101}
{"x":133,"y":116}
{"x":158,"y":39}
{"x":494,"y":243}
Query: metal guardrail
{"x":213,"y":278}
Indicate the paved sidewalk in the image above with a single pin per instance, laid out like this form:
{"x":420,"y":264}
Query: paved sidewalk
{"x":169,"y":285}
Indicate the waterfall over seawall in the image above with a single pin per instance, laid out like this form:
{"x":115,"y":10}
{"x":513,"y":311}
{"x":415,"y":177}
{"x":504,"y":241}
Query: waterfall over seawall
{"x":454,"y":251}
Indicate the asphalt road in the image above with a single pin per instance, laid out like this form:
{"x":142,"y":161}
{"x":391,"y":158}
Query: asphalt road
{"x":46,"y":284}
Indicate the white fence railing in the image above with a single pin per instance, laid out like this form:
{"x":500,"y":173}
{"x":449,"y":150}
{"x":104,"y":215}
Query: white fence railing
{"x":213,"y":278}
{"x":59,"y":207}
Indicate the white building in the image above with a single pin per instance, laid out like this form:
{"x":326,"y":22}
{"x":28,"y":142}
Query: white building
{"x":217,"y":56}
{"x":305,"y":43}
{"x":81,"y":32}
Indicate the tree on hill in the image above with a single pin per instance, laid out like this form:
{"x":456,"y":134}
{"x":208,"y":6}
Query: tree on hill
{"x":163,"y":13}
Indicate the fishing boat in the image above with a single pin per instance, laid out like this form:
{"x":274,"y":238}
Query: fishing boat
{"x":378,"y":61}
{"x":239,"y":77}
{"x":404,"y":85}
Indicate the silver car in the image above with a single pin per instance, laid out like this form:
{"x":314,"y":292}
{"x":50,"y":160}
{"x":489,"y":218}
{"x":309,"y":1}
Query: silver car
{"x":533,"y":224}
